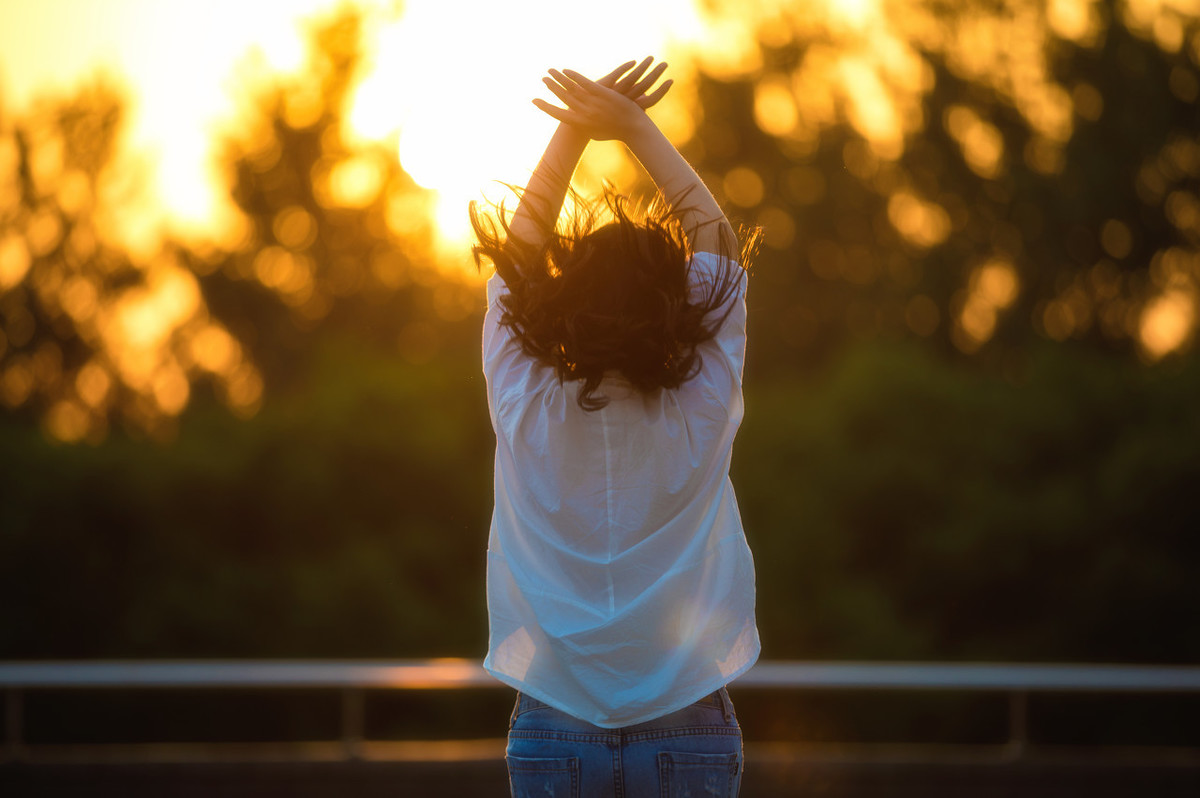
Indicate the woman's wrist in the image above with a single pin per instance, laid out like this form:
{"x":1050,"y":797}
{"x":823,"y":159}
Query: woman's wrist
{"x":569,"y":134}
{"x":642,"y":131}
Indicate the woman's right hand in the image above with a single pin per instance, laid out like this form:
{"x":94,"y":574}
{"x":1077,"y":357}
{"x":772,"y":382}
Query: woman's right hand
{"x":628,"y":80}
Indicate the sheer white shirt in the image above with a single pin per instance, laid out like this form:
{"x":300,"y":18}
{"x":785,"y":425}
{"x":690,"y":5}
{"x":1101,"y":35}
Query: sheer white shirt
{"x":619,"y":582}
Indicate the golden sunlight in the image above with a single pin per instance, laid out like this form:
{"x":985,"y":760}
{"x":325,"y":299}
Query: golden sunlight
{"x":922,"y":223}
{"x":176,"y":60}
{"x":981,"y":142}
{"x":450,"y":81}
{"x":993,"y":288}
{"x":1167,"y":322}
{"x":445,"y":88}
{"x":856,"y":13}
{"x":459,"y":105}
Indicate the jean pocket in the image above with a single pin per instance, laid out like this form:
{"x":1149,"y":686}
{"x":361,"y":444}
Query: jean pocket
{"x":543,"y":777}
{"x":686,"y":774}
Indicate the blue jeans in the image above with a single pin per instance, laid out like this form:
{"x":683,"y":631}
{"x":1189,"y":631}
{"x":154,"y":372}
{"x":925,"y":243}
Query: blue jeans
{"x":696,"y":751}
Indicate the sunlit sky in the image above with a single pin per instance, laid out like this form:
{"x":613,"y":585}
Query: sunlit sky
{"x":452,"y":77}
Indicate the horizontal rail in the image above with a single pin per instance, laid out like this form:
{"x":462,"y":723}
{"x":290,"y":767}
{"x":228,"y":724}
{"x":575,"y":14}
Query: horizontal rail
{"x":997,"y":677}
{"x":437,"y":674}
{"x":351,"y":678}
{"x":406,"y":675}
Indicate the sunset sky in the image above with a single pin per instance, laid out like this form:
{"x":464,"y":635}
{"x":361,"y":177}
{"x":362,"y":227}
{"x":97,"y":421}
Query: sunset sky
{"x":448,"y":85}
{"x":454,"y":77}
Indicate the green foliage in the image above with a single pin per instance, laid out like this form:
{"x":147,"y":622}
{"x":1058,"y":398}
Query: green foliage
{"x":345,"y":520}
{"x":900,"y":508}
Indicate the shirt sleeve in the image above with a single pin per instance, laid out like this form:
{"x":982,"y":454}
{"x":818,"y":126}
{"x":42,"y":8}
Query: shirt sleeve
{"x":495,"y":336}
{"x":510,"y":374}
{"x":723,"y":357}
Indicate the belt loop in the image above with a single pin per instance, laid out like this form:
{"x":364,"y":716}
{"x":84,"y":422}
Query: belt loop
{"x":516,"y":711}
{"x":726,"y":704}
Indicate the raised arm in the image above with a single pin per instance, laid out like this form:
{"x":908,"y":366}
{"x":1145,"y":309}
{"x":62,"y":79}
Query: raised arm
{"x":542,"y":200}
{"x":602,"y":113}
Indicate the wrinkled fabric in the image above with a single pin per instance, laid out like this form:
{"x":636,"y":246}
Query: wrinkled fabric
{"x":620,"y":586}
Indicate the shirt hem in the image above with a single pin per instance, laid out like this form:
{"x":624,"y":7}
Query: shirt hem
{"x":523,"y":687}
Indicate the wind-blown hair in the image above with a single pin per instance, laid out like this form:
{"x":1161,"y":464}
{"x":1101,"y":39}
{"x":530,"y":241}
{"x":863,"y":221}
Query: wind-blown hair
{"x":609,"y":292}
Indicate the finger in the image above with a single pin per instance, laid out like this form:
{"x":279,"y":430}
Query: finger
{"x":576,"y":84}
{"x":626,"y":82}
{"x":611,"y":77}
{"x":633,"y":76}
{"x":560,"y":91}
{"x":651,"y":99}
{"x":571,"y":94}
{"x":581,"y":81}
{"x":561,"y":114}
{"x":648,"y":81}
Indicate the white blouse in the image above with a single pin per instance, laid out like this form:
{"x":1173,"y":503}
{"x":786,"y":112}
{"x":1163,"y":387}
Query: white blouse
{"x":620,"y":585}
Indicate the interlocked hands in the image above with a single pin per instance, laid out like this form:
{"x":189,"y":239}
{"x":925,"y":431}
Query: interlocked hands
{"x":613,"y":107}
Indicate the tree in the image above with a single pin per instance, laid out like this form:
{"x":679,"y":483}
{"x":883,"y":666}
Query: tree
{"x":986,"y":174}
{"x":337,"y":240}
{"x":88,"y":332}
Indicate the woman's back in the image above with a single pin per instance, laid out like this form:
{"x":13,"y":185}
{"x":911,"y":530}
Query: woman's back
{"x":617,"y":561}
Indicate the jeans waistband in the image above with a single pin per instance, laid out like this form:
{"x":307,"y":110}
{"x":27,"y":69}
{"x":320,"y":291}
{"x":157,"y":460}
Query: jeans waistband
{"x":717,"y":698}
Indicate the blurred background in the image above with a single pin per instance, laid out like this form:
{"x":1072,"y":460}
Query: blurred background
{"x":241,"y":413}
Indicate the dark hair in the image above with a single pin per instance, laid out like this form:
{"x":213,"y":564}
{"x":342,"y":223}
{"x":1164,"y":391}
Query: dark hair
{"x":610,"y":293}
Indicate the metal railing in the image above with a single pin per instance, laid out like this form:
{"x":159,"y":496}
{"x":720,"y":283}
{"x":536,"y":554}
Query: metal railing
{"x":352,"y":678}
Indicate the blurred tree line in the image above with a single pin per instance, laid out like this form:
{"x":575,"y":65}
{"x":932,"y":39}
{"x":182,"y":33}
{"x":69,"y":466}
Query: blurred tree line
{"x":963,"y":437}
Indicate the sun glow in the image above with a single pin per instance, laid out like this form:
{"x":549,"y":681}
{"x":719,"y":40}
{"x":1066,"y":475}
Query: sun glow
{"x":448,"y":80}
{"x":459,"y":104}
{"x":175,"y":61}
{"x":856,"y":13}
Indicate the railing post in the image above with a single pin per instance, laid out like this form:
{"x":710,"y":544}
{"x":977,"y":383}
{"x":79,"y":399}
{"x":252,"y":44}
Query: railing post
{"x":352,"y":722}
{"x":1018,"y":723}
{"x":12,"y":724}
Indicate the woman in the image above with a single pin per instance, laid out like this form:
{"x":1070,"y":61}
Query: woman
{"x":620,"y":585}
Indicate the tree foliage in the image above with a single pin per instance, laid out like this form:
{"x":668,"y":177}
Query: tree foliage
{"x":986,"y":175}
{"x":334,"y":236}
